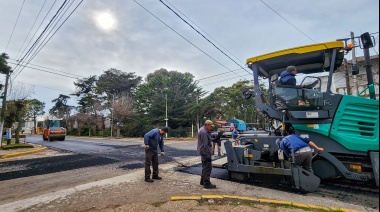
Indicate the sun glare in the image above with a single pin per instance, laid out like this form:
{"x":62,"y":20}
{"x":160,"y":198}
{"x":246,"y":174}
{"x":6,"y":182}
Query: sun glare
{"x":105,"y":21}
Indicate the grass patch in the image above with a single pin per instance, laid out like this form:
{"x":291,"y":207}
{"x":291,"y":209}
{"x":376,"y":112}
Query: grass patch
{"x":16,"y":146}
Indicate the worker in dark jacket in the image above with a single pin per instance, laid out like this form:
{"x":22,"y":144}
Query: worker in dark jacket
{"x":152,"y":140}
{"x":299,"y":148}
{"x":290,"y":95}
{"x":216,"y":138}
{"x":204,"y":149}
{"x":288,"y":77}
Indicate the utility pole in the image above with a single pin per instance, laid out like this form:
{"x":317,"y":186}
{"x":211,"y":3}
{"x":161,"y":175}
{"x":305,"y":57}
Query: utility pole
{"x":113,"y":101}
{"x":166,"y":113}
{"x":197,"y":113}
{"x":3,"y":108}
{"x":348,"y":86}
{"x":355,"y":68}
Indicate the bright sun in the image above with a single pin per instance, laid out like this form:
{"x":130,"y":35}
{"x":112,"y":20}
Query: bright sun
{"x":105,"y":21}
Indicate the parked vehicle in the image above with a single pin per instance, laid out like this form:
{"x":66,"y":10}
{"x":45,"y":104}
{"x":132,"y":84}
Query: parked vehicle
{"x":226,"y":127}
{"x":229,"y":126}
{"x":240,"y":124}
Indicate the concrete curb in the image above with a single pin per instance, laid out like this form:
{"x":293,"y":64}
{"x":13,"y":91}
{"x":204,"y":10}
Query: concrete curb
{"x":24,"y":153}
{"x":261,"y":201}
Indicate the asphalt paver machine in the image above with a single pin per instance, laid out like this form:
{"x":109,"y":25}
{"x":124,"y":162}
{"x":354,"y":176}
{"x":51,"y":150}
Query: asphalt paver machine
{"x":346,"y":126}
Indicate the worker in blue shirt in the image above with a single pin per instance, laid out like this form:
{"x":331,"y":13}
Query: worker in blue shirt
{"x":152,"y":140}
{"x":300,"y":148}
{"x":235,"y":135}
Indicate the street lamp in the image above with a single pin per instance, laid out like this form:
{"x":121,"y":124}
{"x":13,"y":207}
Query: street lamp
{"x":113,"y":101}
{"x":166,"y":113}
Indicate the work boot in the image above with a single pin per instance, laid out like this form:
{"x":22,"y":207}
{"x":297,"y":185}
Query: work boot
{"x":157,"y":178}
{"x":149,"y":180}
{"x":201,"y":183}
{"x":209,"y":186}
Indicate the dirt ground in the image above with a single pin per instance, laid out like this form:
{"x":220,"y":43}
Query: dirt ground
{"x":123,"y":191}
{"x":137,"y":195}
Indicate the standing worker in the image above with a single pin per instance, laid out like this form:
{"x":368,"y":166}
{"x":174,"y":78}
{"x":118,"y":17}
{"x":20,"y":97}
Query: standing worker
{"x":152,"y":139}
{"x":235,"y":136}
{"x":216,"y":141}
{"x":204,"y":149}
{"x":300,"y":148}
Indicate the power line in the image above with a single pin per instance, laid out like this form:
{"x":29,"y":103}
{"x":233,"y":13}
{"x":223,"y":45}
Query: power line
{"x":286,"y":20}
{"x":44,"y":87}
{"x":42,"y":33}
{"x":216,"y":75}
{"x":35,"y":20}
{"x":202,"y":35}
{"x":6,"y":48}
{"x":46,"y":68}
{"x":377,"y":38}
{"x":35,"y":54}
{"x":40,"y":45}
{"x":339,"y":79}
{"x":224,"y":80}
{"x":45,"y":35}
{"x":204,"y":31}
{"x":36,"y":30}
{"x":51,"y":72}
{"x":182,"y":36}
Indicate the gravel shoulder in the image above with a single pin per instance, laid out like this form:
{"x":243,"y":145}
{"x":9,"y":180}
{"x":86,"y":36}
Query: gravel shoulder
{"x":108,"y":188}
{"x":129,"y":192}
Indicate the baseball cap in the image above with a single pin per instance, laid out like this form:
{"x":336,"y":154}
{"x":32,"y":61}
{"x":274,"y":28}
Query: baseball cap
{"x":209,"y":122}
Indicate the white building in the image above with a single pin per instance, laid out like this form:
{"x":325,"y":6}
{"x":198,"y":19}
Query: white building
{"x":357,"y":82}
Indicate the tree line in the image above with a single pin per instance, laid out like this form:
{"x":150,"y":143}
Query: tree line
{"x":137,"y":105}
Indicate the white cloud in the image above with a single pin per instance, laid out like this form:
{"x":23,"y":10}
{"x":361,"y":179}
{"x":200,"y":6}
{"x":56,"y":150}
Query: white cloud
{"x":139,"y":43}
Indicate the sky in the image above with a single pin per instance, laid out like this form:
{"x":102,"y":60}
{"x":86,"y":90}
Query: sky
{"x":142,"y":36}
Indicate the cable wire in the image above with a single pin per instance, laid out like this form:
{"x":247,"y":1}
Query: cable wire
{"x":204,"y":32}
{"x":41,"y":45}
{"x":6,"y":48}
{"x":34,"y":55}
{"x":35,"y":20}
{"x":216,"y":75}
{"x":183,"y":37}
{"x":51,"y":72}
{"x":25,"y":64}
{"x":43,"y":86}
{"x":203,"y":36}
{"x":287,"y":20}
{"x":43,"y":32}
{"x":18,"y":58}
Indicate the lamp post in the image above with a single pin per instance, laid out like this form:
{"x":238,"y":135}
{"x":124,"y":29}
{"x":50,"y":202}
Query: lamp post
{"x":166,"y":113}
{"x":113,"y":100}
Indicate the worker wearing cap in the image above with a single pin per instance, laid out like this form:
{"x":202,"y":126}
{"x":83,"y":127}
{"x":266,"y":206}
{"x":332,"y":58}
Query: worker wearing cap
{"x":205,"y":150}
{"x":300,"y":148}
